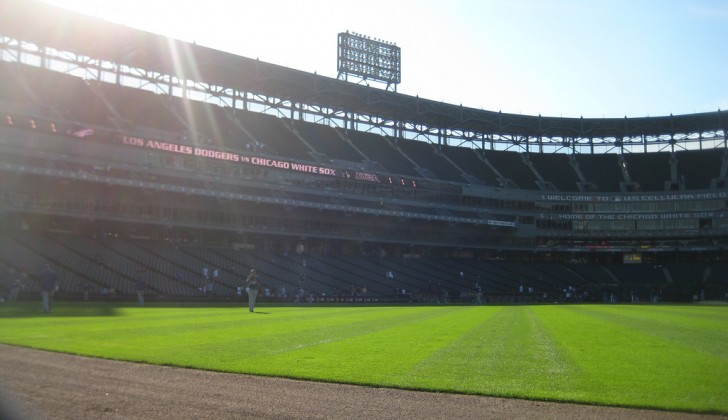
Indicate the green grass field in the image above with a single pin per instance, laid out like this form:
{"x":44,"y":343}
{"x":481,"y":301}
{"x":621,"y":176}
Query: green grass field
{"x":672,"y":357}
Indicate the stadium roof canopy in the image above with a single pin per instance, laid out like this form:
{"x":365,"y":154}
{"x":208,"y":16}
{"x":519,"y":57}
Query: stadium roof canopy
{"x":50,"y":26}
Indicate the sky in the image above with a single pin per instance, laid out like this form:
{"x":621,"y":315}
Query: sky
{"x":559,"y":58}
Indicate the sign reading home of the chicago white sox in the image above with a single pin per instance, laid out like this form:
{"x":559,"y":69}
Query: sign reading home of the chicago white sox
{"x":631,"y":216}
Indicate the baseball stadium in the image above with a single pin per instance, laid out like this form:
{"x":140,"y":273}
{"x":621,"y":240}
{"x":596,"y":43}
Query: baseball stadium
{"x":391,"y":234}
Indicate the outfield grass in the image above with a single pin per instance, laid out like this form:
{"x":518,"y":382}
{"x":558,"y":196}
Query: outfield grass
{"x":672,"y":357}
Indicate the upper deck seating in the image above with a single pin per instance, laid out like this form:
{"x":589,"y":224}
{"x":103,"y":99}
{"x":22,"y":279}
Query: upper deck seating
{"x":511,"y":167}
{"x":649,"y":170}
{"x":555,"y":168}
{"x":601,"y":170}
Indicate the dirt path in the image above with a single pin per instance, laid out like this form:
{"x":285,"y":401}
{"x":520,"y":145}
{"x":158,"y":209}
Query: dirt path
{"x":43,"y":385}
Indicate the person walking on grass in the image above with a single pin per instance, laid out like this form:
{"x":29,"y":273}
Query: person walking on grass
{"x":252,"y":289}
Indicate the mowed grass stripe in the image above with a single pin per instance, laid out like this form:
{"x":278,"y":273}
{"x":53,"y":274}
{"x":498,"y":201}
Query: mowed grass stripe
{"x":285,"y":348}
{"x":703,"y":331}
{"x":229,"y":342}
{"x":622,"y":365}
{"x":706,"y":312}
{"x":506,"y":353}
{"x":378,"y":356}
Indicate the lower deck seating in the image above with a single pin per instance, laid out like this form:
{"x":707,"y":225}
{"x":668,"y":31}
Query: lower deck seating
{"x":107,"y":263}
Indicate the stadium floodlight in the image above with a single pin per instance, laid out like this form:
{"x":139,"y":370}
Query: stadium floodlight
{"x":369,"y":59}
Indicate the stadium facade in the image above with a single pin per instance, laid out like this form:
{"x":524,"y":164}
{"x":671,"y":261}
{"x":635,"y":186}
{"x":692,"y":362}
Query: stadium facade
{"x":122,"y":149}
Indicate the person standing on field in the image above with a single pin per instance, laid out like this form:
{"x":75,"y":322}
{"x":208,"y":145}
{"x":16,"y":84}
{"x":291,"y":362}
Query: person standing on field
{"x":478,"y":294}
{"x":252,"y":289}
{"x":86,"y":290}
{"x":48,"y":285}
{"x":15,"y":285}
{"x":141,"y":286}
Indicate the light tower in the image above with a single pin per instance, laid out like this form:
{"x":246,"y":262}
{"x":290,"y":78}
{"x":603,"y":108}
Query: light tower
{"x":369,"y":59}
